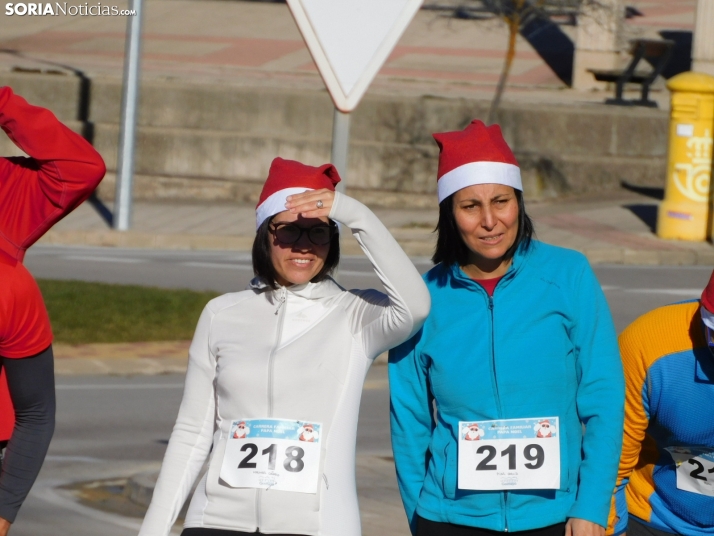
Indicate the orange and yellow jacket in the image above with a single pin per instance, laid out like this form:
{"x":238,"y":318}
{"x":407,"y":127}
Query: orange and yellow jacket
{"x":669,"y":408}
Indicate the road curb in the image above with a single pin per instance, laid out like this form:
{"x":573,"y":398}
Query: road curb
{"x":121,"y":359}
{"x":651,"y":257}
{"x":128,"y":359}
{"x":414,"y":243}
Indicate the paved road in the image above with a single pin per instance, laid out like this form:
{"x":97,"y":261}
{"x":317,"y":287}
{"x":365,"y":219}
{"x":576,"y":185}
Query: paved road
{"x":630,"y":290}
{"x":109,"y":427}
{"x":112,"y":426}
{"x":106,"y":427}
{"x":198,"y":270}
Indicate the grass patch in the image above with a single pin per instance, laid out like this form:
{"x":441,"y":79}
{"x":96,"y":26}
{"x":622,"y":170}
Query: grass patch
{"x":97,"y":312}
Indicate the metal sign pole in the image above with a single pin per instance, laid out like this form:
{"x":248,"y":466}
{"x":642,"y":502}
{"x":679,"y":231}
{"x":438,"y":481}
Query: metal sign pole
{"x":127,"y":136}
{"x":340,"y":146}
{"x":340,"y":150}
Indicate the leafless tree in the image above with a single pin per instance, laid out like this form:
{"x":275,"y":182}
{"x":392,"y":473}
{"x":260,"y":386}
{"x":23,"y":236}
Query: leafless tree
{"x":516,"y":13}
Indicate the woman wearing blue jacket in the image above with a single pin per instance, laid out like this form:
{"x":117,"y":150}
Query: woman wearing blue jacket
{"x":507,"y":406}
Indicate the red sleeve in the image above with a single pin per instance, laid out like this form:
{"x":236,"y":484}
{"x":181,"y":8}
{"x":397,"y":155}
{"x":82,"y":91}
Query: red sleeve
{"x":62,"y":171}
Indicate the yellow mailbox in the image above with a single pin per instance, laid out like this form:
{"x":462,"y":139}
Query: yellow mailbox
{"x":684,"y":213}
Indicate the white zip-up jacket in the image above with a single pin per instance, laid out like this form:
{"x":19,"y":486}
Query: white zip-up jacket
{"x":298,"y":353}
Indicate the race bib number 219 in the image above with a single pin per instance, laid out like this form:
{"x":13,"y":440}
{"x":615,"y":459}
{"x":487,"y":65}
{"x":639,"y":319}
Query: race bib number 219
{"x":273,"y":454}
{"x":509,"y":454}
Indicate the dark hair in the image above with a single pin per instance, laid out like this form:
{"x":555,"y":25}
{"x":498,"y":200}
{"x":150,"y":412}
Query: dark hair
{"x":263,"y":265}
{"x":450,"y":248}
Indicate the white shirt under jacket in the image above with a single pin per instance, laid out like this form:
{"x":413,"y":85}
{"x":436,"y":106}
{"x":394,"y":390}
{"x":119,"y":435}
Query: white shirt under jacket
{"x":301,"y":353}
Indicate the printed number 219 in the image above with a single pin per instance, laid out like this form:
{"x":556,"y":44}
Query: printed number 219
{"x":293,"y":457}
{"x":535,"y":460}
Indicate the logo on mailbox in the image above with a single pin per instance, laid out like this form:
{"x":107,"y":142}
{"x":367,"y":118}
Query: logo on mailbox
{"x":692,"y":178}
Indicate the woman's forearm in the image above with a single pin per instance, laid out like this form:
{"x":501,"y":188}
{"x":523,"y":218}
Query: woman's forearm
{"x":62,"y":170}
{"x":409,"y":300}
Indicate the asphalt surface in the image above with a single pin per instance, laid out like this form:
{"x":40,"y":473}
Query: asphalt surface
{"x":630,"y":290}
{"x":106,"y":427}
{"x":197,"y":270}
{"x":112,"y":427}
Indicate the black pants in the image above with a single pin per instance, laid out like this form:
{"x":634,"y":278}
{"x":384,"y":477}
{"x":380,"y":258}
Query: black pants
{"x":221,"y":532}
{"x":635,"y":528}
{"x":434,"y":528}
{"x":31,"y":382}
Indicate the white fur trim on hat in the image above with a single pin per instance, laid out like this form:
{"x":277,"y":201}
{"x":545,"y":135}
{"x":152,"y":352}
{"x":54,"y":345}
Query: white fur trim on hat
{"x":275,"y":204}
{"x":707,"y":317}
{"x":479,"y":173}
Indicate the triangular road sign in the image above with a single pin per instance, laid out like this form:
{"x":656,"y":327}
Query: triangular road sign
{"x":350,"y":40}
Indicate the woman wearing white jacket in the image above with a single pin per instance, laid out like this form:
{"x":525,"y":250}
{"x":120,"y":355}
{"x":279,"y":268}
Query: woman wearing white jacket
{"x":275,"y":372}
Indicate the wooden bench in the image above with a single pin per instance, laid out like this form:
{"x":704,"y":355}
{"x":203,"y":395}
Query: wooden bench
{"x":656,"y":51}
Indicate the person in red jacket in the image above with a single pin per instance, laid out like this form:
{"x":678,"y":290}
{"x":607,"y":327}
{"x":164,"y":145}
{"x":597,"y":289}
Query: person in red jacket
{"x":61,"y":171}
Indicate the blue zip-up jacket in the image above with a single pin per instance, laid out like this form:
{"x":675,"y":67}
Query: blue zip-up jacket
{"x":543,"y":345}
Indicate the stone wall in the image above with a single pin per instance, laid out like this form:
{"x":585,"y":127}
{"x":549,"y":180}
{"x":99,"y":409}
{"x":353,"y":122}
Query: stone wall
{"x":217,"y":142}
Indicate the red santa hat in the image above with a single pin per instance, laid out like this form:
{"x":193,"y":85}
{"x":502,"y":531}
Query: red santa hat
{"x":288,"y":177}
{"x":476,"y":155}
{"x":707,"y":301}
{"x":544,"y":421}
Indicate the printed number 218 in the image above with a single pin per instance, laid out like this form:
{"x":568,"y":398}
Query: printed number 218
{"x":293,"y":457}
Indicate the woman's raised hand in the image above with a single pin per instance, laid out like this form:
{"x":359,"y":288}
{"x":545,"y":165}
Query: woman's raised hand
{"x":311,"y":204}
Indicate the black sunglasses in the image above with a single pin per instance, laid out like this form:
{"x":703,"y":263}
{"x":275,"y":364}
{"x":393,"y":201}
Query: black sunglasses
{"x":290,"y":233}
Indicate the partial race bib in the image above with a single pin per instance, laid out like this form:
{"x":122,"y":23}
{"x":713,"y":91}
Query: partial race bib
{"x":695,"y":469}
{"x":273,"y":454}
{"x":509,"y":454}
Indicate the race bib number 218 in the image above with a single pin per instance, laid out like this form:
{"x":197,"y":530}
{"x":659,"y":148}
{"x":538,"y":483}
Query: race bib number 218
{"x":273,"y":454}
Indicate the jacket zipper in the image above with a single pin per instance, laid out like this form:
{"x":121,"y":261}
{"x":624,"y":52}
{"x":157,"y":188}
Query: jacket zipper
{"x":498,"y":396}
{"x":493,"y":357}
{"x":280,"y":311}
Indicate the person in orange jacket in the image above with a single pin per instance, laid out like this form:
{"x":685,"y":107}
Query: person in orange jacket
{"x":61,"y":171}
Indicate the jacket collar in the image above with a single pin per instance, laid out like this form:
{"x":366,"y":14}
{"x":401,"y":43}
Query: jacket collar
{"x":311,"y":291}
{"x":517,"y":264}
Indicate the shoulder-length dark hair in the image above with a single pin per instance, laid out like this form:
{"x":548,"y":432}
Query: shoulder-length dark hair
{"x":263,"y":265}
{"x":450,"y":248}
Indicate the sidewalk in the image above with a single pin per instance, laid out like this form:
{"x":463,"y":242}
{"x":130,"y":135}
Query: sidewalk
{"x":258,"y":44}
{"x":611,"y":228}
{"x":136,"y":359}
{"x":122,"y":359}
